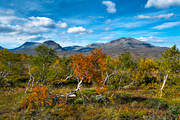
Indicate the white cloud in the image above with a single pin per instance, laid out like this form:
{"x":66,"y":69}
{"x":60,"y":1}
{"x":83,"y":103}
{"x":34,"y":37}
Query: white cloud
{"x":162,"y":3}
{"x":40,"y":22}
{"x":11,"y":41}
{"x":107,"y":37}
{"x":44,"y":22}
{"x":62,"y":24}
{"x":107,"y":28}
{"x":90,"y":31}
{"x":15,"y":30}
{"x":35,"y":30}
{"x":77,"y":29}
{"x":7,"y":17}
{"x":101,"y":41}
{"x":6,"y":12}
{"x":143,"y":17}
{"x":34,"y":25}
{"x":108,"y":21}
{"x":111,"y":6}
{"x":77,"y":21}
{"x":132,"y":24}
{"x":7,"y":28}
{"x":166,"y":25}
{"x":166,"y":16}
{"x":151,"y":39}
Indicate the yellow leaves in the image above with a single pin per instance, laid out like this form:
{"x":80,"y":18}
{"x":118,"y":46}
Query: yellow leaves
{"x":147,"y":71}
{"x":147,"y":64}
{"x":38,"y":98}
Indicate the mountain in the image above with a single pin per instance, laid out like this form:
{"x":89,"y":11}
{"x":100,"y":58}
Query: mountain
{"x":95,"y":45}
{"x":113,"y":48}
{"x":136,"y":47}
{"x":52,"y":44}
{"x":128,"y":43}
{"x":1,"y":48}
{"x":27,"y":45}
{"x":72,"y":48}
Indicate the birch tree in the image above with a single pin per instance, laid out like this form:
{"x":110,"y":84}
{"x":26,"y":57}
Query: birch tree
{"x":170,"y":68}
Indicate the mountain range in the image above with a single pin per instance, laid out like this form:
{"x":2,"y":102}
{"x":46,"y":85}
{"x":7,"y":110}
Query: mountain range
{"x":113,"y":48}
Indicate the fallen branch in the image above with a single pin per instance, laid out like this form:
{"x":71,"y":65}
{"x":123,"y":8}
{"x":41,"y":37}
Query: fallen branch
{"x":72,"y":94}
{"x":68,"y":77}
{"x":128,"y":86}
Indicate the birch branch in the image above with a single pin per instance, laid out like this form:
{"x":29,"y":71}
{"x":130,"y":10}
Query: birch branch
{"x":68,"y":77}
{"x":164,"y":82}
{"x":108,"y":76}
{"x":73,"y":93}
{"x":31,"y":78}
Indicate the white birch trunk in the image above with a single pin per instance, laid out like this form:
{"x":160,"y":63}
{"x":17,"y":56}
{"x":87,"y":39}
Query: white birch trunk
{"x":165,"y":79}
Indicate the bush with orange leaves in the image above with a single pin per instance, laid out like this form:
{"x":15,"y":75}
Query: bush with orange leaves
{"x":91,"y":68}
{"x":39,"y":97}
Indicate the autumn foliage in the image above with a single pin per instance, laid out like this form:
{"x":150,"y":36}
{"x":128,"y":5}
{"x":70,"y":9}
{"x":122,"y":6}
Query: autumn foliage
{"x":118,"y":87}
{"x":91,"y":67}
{"x":38,"y":98}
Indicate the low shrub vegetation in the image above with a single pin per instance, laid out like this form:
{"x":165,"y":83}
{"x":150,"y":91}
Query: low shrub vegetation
{"x":89,"y":87}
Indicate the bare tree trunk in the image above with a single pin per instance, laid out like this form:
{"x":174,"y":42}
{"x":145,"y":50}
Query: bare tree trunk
{"x":165,"y":79}
{"x":107,"y":77}
{"x":122,"y":73}
{"x":44,"y":74}
{"x":29,"y":68}
{"x":31,"y":79}
{"x":78,"y":86}
{"x":32,"y":82}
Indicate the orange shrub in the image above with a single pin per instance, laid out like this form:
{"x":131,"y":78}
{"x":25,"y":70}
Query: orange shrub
{"x":38,"y":98}
{"x":91,"y":67}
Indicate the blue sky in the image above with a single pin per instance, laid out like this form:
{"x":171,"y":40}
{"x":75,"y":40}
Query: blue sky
{"x":82,"y":22}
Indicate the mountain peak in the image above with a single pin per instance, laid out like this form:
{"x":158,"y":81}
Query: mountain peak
{"x":94,"y":45}
{"x":28,"y":45}
{"x":52,"y":44}
{"x":128,"y":42}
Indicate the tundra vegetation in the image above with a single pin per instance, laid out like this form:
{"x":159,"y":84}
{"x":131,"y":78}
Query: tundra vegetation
{"x":89,"y":87}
